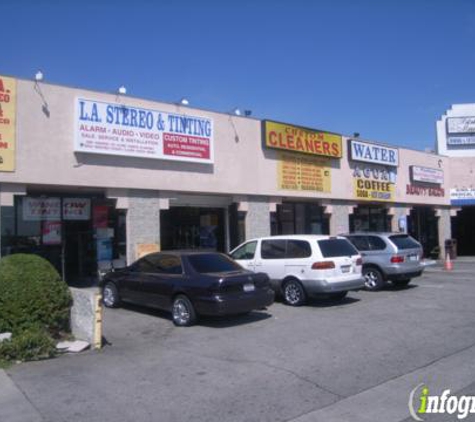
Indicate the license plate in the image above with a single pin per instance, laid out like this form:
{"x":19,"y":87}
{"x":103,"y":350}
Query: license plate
{"x":345,"y":268}
{"x":249,"y":287}
{"x":413,"y":257}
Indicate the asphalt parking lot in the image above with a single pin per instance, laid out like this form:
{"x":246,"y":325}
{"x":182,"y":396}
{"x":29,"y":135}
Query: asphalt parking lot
{"x":357,"y":360}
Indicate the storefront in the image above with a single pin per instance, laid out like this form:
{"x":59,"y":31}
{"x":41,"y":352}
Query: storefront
{"x":456,"y":139}
{"x":374,"y":172}
{"x":116,"y":177}
{"x":299,"y":218}
{"x":305,"y":161}
{"x":193,"y":228}
{"x":463,"y":222}
{"x":74,"y":232}
{"x":422,"y":222}
{"x":373,"y":218}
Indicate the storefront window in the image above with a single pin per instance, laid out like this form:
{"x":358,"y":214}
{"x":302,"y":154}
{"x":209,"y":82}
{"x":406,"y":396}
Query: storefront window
{"x":237,"y":226}
{"x":7,"y":225}
{"x":71,"y":232}
{"x":463,"y":229}
{"x":192,"y":228}
{"x":299,"y":218}
{"x":370,"y":218}
{"x":423,"y":226}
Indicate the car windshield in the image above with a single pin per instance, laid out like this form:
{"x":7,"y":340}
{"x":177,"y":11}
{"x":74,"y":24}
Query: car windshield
{"x":213,"y":263}
{"x":333,"y":248}
{"x":403,"y":241}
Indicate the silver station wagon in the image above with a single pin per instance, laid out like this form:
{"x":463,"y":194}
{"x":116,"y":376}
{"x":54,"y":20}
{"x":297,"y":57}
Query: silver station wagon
{"x":394,"y":257}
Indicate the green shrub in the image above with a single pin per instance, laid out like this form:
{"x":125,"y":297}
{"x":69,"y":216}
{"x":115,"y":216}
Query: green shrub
{"x":32,"y":296}
{"x":31,"y":344}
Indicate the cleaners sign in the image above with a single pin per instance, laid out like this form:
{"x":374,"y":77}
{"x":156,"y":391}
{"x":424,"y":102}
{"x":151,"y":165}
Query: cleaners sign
{"x":298,"y":139}
{"x":116,"y":129}
{"x":373,"y":153}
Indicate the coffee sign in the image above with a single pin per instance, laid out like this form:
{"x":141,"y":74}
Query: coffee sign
{"x":373,"y":183}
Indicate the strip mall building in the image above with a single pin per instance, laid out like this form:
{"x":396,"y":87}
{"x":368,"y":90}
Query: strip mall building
{"x":456,"y":139}
{"x":88,"y":176}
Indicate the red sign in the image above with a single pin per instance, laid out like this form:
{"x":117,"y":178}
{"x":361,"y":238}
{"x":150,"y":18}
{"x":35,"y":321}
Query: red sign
{"x":423,"y":191}
{"x":100,"y":216}
{"x":186,"y":146}
{"x":51,"y":232}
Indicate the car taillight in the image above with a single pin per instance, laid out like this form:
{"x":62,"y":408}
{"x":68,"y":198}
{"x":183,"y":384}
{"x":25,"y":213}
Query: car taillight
{"x":359,"y":261}
{"x":396,"y":259}
{"x":323,"y":265}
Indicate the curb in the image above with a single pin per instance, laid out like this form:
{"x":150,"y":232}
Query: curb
{"x":14,"y":405}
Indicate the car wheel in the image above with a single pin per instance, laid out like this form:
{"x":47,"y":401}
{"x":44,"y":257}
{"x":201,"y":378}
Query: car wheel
{"x":110,"y":295}
{"x":373,"y":279}
{"x":294,"y":293}
{"x":401,"y":283}
{"x":338,"y":296}
{"x":183,"y":312}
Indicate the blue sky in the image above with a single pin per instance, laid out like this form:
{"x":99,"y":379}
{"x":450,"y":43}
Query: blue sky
{"x":386,"y":69}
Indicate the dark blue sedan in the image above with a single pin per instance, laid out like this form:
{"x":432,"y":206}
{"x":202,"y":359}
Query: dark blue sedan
{"x":188,"y":284}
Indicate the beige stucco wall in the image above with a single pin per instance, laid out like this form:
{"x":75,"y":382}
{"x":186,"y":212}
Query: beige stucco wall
{"x":462,"y":171}
{"x":419,"y":158}
{"x":45,"y":155}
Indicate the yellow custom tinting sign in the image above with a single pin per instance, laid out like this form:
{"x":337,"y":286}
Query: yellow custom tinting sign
{"x":297,"y":172}
{"x":7,"y":123}
{"x":373,"y":190}
{"x":298,"y":139}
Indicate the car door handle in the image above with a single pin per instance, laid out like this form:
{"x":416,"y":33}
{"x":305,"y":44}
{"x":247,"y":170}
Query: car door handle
{"x":364,"y":254}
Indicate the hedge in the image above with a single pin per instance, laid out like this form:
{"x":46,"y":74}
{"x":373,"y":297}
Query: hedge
{"x":32,"y":296}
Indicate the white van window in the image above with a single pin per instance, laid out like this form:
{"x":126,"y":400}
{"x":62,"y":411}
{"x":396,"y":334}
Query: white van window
{"x":333,"y":248}
{"x":298,"y":249}
{"x":273,"y":249}
{"x":246,"y":251}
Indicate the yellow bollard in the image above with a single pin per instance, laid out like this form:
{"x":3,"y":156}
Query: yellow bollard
{"x":97,"y":344}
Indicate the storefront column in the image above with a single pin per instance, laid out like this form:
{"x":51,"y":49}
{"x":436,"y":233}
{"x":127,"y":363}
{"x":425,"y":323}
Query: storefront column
{"x":444,"y":226}
{"x":257,"y":217}
{"x":143,"y":222}
{"x":399,"y":218}
{"x":339,"y":214}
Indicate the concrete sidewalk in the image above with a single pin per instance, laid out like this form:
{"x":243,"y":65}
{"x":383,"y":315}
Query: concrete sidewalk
{"x":14,"y":405}
{"x":462,"y":264}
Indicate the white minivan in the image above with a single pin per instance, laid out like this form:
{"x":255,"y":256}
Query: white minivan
{"x":300,"y":266}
